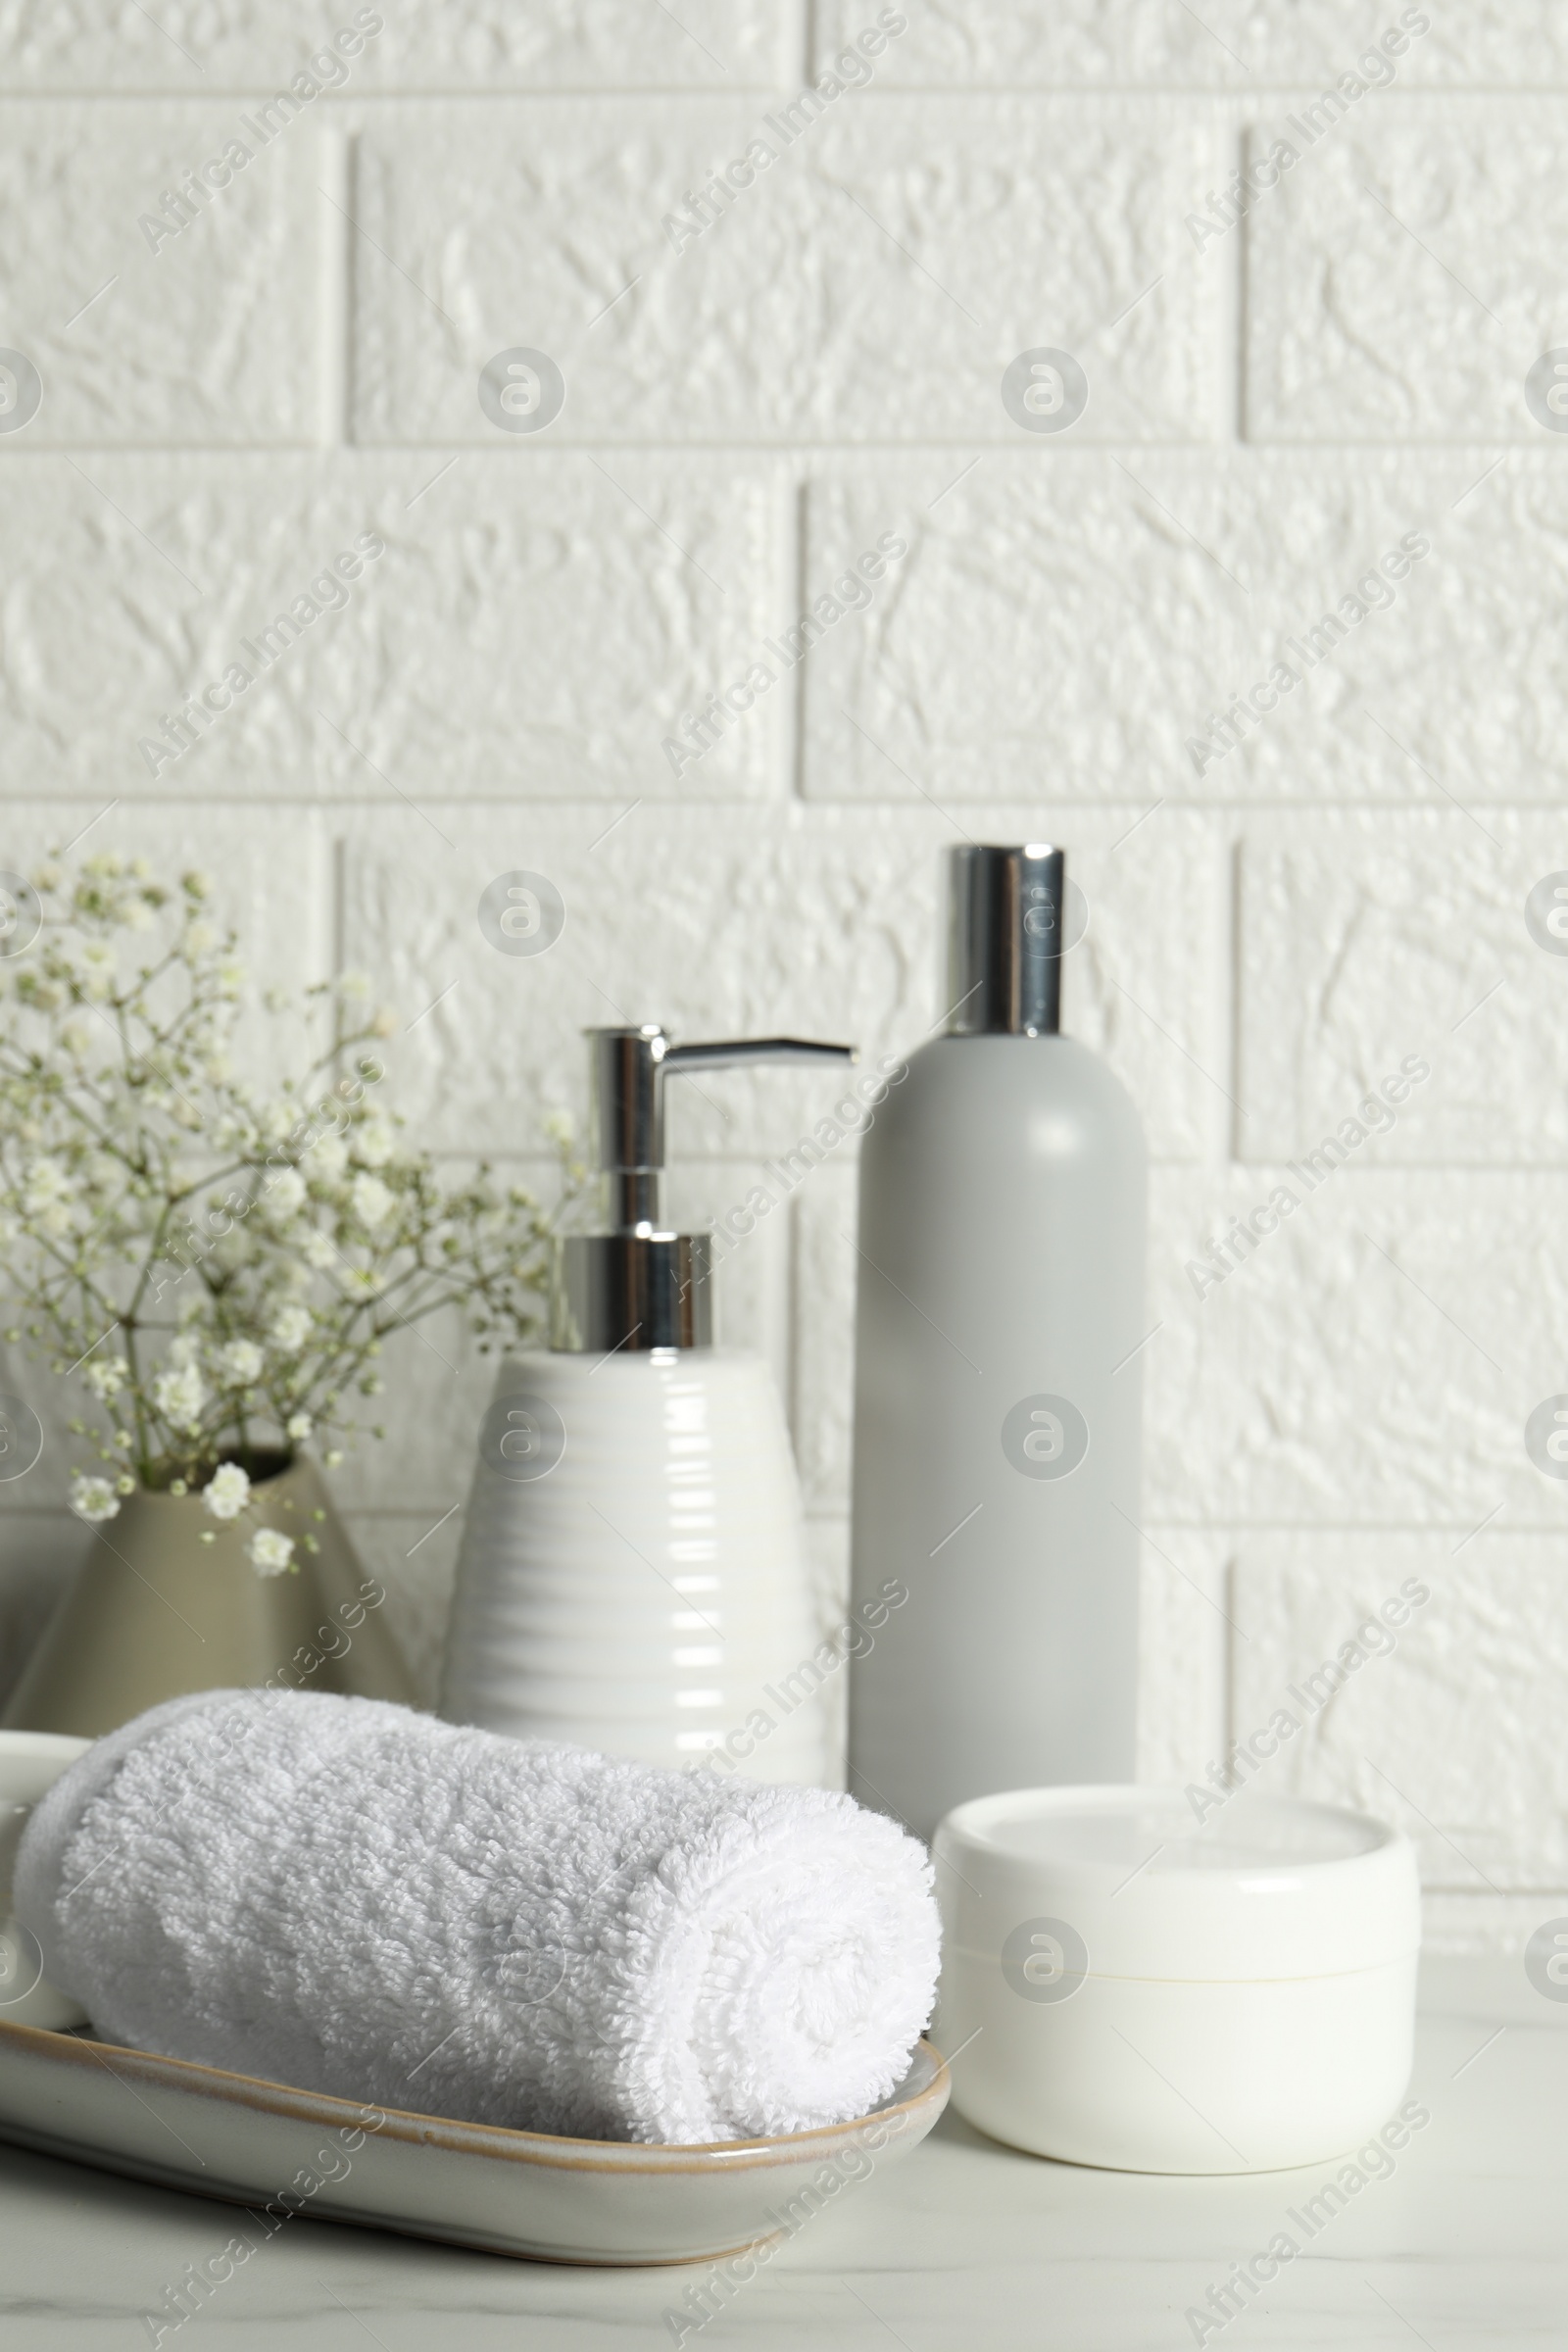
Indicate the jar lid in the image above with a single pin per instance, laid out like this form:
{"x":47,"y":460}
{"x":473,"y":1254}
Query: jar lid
{"x":1125,"y":1882}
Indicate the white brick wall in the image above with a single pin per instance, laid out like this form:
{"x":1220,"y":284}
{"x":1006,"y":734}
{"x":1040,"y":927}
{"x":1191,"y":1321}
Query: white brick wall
{"x":1267,"y":416}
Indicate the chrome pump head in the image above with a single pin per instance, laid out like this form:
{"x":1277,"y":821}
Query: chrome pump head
{"x":635,"y":1287}
{"x":1005,"y":931}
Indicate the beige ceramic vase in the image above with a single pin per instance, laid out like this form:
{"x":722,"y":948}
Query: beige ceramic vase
{"x":157,"y":1613}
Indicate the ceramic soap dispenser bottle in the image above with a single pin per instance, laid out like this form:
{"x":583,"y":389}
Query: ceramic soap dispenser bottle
{"x":998,"y":1377}
{"x":632,"y":1575}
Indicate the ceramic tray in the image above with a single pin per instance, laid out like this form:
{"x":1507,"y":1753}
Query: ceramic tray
{"x":281,"y":2151}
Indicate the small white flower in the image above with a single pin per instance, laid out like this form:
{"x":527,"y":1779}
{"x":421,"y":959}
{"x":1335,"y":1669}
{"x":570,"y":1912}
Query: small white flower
{"x":180,"y":1397}
{"x":291,"y":1327}
{"x":44,"y":1183}
{"x":371,"y":1201}
{"x":240,"y":1363}
{"x":227,"y":1491}
{"x":269,"y":1552}
{"x":107,"y":1376}
{"x":374,"y":1143}
{"x":199,"y":939}
{"x":329,"y":1159}
{"x":317,"y":1251}
{"x":298,"y":1426}
{"x":95,"y":972}
{"x":93,"y":1498}
{"x":284,"y":1193}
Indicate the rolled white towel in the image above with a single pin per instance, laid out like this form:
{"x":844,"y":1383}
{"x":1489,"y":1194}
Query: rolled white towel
{"x":358,"y":1899}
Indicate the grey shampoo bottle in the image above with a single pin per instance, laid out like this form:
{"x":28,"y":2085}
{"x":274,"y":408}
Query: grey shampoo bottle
{"x":998,"y":1381}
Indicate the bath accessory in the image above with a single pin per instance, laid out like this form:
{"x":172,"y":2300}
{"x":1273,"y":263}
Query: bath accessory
{"x":1140,"y":1991}
{"x":30,"y":1762}
{"x":632,"y":1575}
{"x":997,"y":1400}
{"x":279,"y":2151}
{"x":364,"y":1901}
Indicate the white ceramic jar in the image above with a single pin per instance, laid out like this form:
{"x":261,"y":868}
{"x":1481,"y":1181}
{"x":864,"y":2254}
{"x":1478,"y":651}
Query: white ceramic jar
{"x":1127,"y":1987}
{"x":30,"y":1763}
{"x":632,"y":1575}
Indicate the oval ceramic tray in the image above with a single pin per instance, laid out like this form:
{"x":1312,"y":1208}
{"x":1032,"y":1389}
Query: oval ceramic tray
{"x":281,"y":2151}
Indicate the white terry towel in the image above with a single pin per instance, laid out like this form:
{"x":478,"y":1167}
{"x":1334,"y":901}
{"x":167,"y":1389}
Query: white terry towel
{"x":355,"y":1899}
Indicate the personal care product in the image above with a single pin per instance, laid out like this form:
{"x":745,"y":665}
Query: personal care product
{"x":1131,"y":1984}
{"x":998,"y":1372}
{"x":632,"y":1575}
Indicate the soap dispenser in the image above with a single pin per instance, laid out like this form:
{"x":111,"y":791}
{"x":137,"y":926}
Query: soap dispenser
{"x":632,"y":1575}
{"x":1000,"y":1324}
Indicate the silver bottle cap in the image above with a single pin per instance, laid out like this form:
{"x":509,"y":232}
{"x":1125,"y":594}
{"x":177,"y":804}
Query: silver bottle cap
{"x":637,"y":1287}
{"x":1005,"y":930}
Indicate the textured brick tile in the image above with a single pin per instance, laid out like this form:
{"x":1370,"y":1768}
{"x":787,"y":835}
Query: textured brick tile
{"x":462,"y":45}
{"x":1321,"y":1383}
{"x":1239,"y":44}
{"x":873,"y":283}
{"x":723,"y":925}
{"x":532,"y":626}
{"x":1401,"y":279}
{"x":1487,"y":1651}
{"x":1366,"y":938}
{"x":211,"y":338}
{"x":1088,"y":623}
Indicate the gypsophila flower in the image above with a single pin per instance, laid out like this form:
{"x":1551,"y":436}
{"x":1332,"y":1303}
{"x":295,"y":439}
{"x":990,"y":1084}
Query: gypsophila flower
{"x":180,"y":1397}
{"x":270,"y":1552}
{"x":284,"y":1193}
{"x":371,"y":1201}
{"x":291,"y":1327}
{"x":374,"y":1144}
{"x":216,"y":1263}
{"x":93,"y":1498}
{"x":240,"y":1363}
{"x":227,"y":1491}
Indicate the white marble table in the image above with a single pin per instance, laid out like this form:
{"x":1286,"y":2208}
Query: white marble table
{"x":967,"y":2245}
